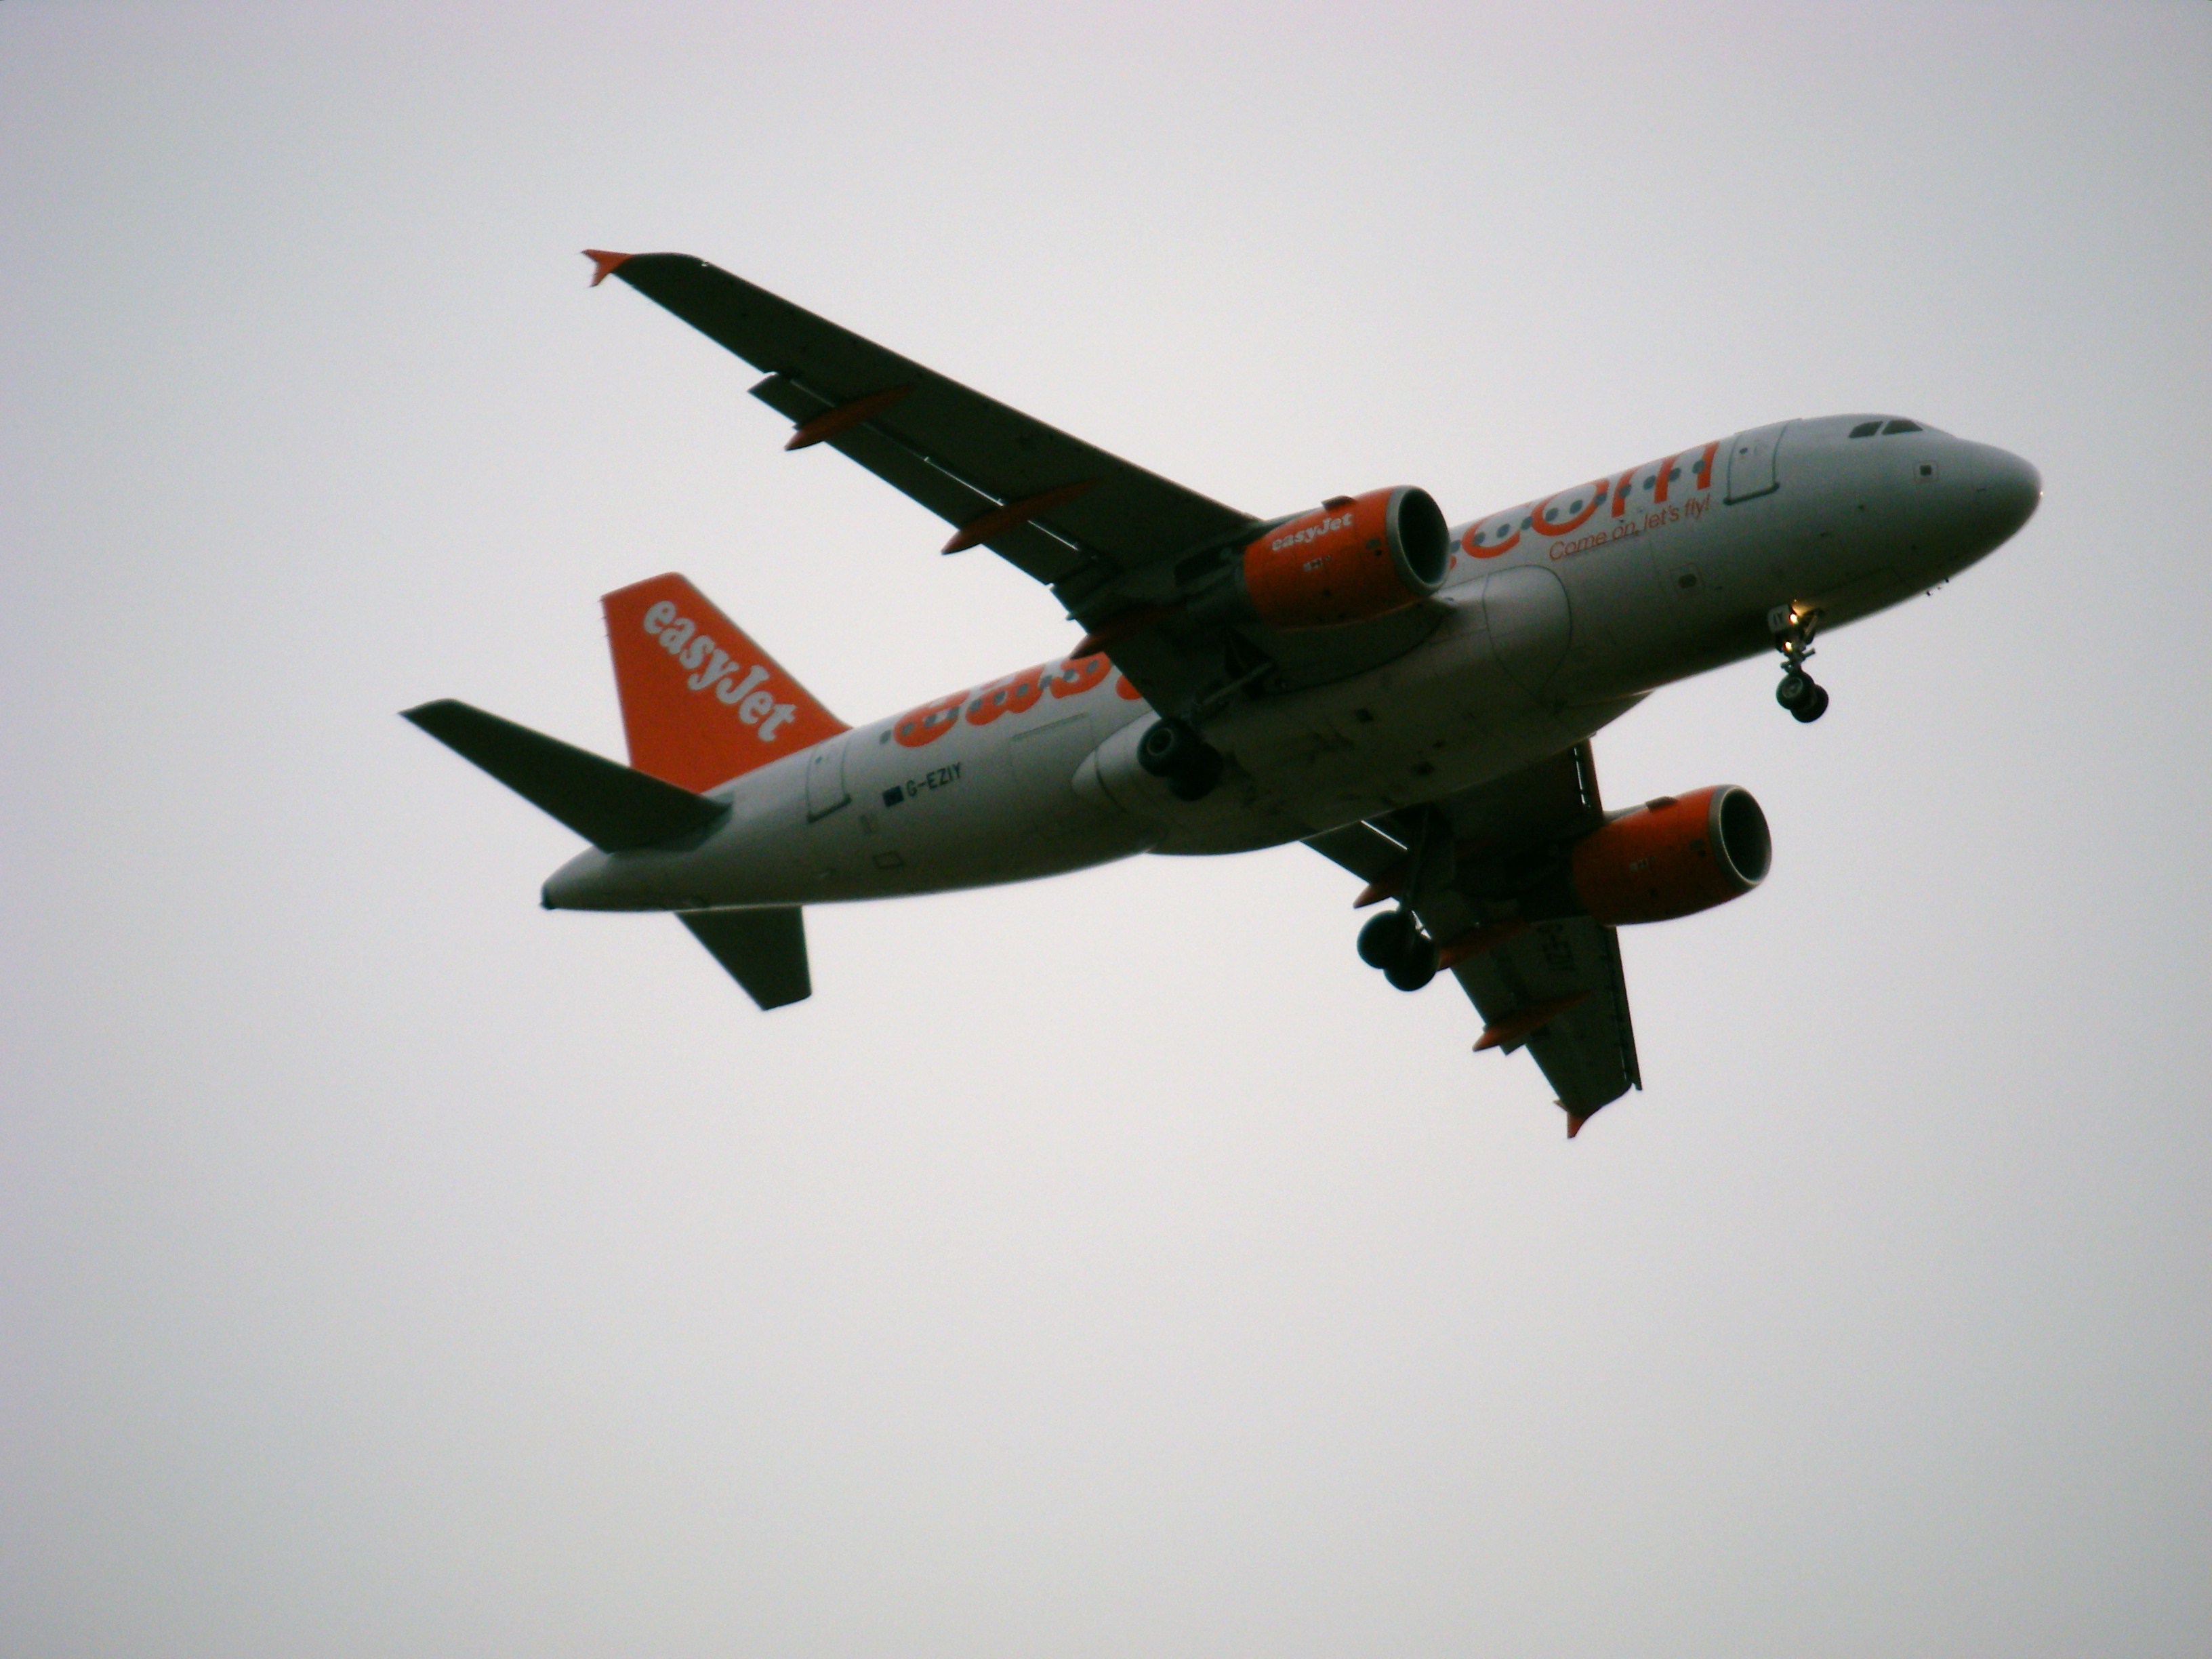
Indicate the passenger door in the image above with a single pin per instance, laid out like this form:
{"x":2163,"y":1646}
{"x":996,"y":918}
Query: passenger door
{"x":1752,"y":469}
{"x":825,"y":778}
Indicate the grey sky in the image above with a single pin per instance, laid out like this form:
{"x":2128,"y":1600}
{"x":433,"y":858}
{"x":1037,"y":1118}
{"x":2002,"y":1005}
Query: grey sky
{"x":1110,"y":1266}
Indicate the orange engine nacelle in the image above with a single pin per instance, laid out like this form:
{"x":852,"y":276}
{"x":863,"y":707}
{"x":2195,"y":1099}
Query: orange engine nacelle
{"x":1673,"y":857}
{"x":1358,"y":557}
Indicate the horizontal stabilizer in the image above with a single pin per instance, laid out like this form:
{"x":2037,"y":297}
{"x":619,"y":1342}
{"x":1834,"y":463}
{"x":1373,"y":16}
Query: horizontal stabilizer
{"x":610,"y":805}
{"x":764,"y":950}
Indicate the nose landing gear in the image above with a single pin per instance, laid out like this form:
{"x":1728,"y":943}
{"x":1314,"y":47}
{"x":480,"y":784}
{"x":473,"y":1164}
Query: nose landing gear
{"x":1792,"y":629}
{"x":1805,"y":701}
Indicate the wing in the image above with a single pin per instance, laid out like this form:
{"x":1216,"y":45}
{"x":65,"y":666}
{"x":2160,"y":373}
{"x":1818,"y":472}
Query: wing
{"x":1104,"y":534}
{"x":965,"y":457}
{"x":1558,"y":988}
{"x":1552,"y":985}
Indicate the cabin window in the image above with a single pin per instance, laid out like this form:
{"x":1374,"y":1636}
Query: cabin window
{"x":1900,"y":426}
{"x":1866,"y":429}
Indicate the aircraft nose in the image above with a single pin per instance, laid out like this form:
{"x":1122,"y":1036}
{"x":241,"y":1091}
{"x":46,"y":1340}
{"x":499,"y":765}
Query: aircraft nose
{"x":2006,"y":490}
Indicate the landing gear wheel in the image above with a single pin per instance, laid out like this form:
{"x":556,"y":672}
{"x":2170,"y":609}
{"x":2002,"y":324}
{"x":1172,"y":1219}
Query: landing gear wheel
{"x":1169,"y":747}
{"x":1174,"y":751}
{"x":1416,"y":966}
{"x":1196,"y":781}
{"x":1384,"y":939}
{"x":1792,"y":629}
{"x":1805,"y":701}
{"x":1395,"y":943}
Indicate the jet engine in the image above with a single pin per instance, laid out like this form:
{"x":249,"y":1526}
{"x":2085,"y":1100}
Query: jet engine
{"x":1673,"y":857}
{"x":1356,"y":558}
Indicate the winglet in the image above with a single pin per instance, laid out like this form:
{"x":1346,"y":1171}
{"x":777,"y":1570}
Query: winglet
{"x":604,"y":263}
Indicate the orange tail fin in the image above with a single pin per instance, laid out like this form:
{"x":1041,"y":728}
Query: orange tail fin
{"x":700,"y":703}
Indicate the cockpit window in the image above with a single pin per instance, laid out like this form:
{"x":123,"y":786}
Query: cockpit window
{"x":1900,"y":426}
{"x":1866,"y":429}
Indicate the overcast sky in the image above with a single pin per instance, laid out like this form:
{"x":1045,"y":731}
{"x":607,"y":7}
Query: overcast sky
{"x":1111,"y":1266}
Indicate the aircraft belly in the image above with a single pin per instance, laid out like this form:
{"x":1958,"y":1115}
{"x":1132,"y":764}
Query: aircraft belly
{"x":1616,"y":600}
{"x":1451,"y":714}
{"x":1526,"y":612}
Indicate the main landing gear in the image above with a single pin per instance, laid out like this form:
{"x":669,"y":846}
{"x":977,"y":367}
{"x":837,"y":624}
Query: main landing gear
{"x":1395,"y":943}
{"x":1793,"y":628}
{"x":1174,"y":751}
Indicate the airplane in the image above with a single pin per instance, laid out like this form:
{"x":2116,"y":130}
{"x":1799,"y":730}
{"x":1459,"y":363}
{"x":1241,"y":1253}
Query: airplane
{"x":1411,"y":699}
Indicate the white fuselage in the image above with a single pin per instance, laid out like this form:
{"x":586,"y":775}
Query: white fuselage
{"x":1557,"y":616}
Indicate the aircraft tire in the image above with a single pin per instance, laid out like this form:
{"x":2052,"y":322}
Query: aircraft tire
{"x":1416,"y":964}
{"x":1812,"y":708}
{"x":1169,"y":747}
{"x":1199,"y":775}
{"x":1382,"y":941}
{"x":1174,"y":752}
